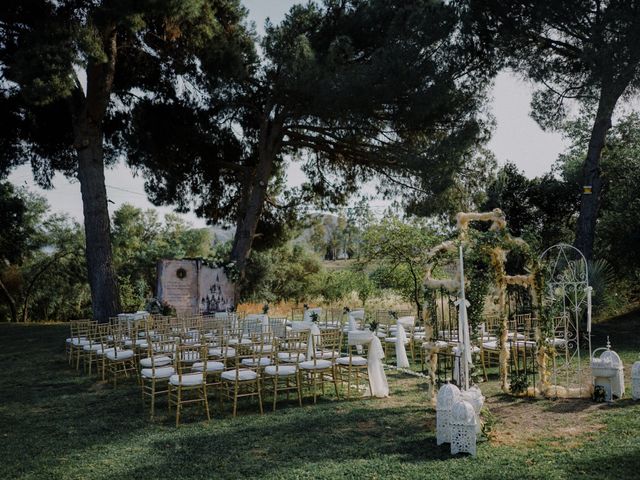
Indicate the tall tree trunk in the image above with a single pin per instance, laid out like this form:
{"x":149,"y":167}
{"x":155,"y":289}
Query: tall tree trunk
{"x":254,"y":198}
{"x":88,"y":114}
{"x":590,"y":200}
{"x":100,"y":269}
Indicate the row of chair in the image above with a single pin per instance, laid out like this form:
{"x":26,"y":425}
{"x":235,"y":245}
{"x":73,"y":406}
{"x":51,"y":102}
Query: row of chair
{"x":189,"y":359}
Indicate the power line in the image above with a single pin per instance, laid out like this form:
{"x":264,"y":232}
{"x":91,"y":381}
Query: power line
{"x":125,"y":190}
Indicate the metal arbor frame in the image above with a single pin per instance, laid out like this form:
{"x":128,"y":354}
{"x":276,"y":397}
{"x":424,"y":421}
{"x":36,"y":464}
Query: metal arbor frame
{"x":568,"y":297}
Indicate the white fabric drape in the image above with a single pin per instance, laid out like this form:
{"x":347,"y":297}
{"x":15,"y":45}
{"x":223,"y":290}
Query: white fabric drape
{"x":463,"y":350}
{"x":352,"y":323}
{"x":379,"y":385}
{"x":401,"y":353}
{"x":313,"y":330}
{"x":352,"y":317}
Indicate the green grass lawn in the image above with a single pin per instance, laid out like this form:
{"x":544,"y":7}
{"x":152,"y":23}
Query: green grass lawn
{"x":57,"y":424}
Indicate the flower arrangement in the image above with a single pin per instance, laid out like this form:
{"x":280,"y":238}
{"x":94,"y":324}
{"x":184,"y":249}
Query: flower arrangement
{"x":314,"y":317}
{"x":346,"y":310}
{"x":265,"y":308}
{"x":228,"y":266}
{"x":373,"y":325}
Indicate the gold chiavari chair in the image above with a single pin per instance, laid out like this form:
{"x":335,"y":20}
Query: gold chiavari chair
{"x":80,"y":333}
{"x":157,"y":369}
{"x":94,"y":350}
{"x":278,"y":326}
{"x":282,"y":376}
{"x":325,"y":350}
{"x":187,"y":386}
{"x":354,"y":366}
{"x":243,"y":380}
{"x":73,"y":338}
{"x":120,"y":361}
{"x":490,"y":343}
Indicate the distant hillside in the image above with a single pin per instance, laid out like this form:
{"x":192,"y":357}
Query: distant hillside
{"x":222,"y":235}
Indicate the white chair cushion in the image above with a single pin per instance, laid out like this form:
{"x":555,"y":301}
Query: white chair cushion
{"x":518,"y":336}
{"x":188,"y":379}
{"x":105,"y":351}
{"x":92,"y":347}
{"x":281,"y":370}
{"x":163,"y":372}
{"x":291,"y":357}
{"x":319,"y":365}
{"x":235,"y":341}
{"x":211,"y":366}
{"x":492,"y":345}
{"x":243,"y":375}
{"x":254,"y":362}
{"x":158,"y":361}
{"x":221,"y":352}
{"x":356,"y":360}
{"x":139,"y":343}
{"x":121,"y":355}
{"x":79,"y":342}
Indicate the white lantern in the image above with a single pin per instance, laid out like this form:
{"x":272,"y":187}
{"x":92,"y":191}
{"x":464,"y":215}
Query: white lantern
{"x":447,"y":396}
{"x":463,"y":428}
{"x":608,"y":373}
{"x":476,"y":399}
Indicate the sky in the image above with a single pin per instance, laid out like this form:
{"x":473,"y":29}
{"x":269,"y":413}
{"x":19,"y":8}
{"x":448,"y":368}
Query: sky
{"x":516,"y":138}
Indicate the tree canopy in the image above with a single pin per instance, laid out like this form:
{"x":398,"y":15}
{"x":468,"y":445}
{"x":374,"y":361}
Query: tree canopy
{"x":586,"y":51}
{"x":71,"y":70}
{"x":351,"y":89}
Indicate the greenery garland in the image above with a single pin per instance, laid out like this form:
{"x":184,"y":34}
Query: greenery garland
{"x":228,"y":266}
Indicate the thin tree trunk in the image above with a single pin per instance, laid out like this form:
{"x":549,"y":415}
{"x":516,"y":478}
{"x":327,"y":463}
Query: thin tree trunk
{"x":88,"y":116}
{"x":590,"y":199}
{"x":32,"y":283}
{"x":11,"y":301}
{"x":416,"y":293}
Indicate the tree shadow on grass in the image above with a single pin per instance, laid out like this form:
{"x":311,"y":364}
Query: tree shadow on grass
{"x":290,"y":440}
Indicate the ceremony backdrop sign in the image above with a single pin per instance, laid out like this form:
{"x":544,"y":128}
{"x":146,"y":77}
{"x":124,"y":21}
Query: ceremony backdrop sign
{"x":192,"y":287}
